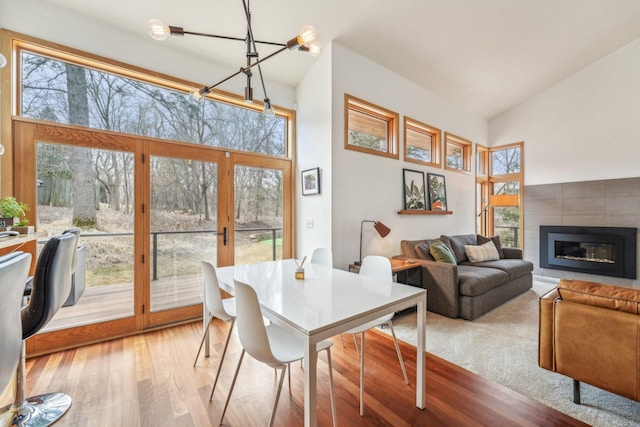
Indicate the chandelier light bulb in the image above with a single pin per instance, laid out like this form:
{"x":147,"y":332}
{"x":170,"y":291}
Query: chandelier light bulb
{"x":158,"y":29}
{"x":308,"y":35}
{"x":199,"y":93}
{"x":314,"y":49}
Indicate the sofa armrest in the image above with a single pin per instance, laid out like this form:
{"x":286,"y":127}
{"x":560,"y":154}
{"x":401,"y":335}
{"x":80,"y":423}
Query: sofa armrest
{"x":545,"y":331}
{"x":512,"y":253}
{"x":440,"y":279}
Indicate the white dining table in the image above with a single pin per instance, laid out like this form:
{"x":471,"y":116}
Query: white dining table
{"x":326,"y":303}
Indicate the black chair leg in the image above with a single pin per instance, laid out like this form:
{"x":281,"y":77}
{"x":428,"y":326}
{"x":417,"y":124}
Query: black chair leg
{"x":42,"y":410}
{"x":576,"y":392}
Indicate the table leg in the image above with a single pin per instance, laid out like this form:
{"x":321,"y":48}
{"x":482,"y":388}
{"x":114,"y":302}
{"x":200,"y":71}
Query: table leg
{"x":420,"y":354}
{"x":310,"y":387}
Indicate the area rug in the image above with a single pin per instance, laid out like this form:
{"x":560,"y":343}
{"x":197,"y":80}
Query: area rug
{"x":502,"y":346}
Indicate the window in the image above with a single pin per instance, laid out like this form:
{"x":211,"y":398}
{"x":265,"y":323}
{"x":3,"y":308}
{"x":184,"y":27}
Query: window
{"x":505,"y":161}
{"x":421,"y":143}
{"x":499,"y":182}
{"x":458,"y":153}
{"x":369,"y":128}
{"x":114,"y":102}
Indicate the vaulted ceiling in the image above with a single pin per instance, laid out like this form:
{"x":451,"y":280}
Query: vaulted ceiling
{"x":484,"y":55}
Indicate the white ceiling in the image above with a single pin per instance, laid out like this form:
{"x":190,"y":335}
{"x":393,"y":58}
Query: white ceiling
{"x":484,"y":55}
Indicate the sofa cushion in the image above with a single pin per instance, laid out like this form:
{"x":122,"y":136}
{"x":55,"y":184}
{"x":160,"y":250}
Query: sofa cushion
{"x":408,"y":248}
{"x":422,"y":249}
{"x":477,"y":280}
{"x":495,"y":239}
{"x":597,"y":294}
{"x":484,"y":252}
{"x":513,"y":267}
{"x":456,"y":243}
{"x":441,"y":253}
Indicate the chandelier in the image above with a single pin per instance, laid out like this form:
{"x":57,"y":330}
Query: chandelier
{"x":306,"y":41}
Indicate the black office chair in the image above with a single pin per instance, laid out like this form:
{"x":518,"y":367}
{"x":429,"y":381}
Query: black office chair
{"x":14,"y":269}
{"x":51,"y":284}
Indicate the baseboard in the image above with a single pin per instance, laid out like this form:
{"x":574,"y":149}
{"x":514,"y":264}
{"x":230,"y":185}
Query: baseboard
{"x":546,"y":279}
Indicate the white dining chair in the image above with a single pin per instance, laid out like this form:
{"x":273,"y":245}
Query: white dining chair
{"x":378,"y":267}
{"x":215,"y":306}
{"x":322,"y":256}
{"x":269,"y":344}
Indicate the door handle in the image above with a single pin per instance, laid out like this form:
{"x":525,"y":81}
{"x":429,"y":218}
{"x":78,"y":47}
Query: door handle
{"x":224,"y":236}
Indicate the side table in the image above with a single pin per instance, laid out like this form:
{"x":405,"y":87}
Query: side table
{"x":401,"y":268}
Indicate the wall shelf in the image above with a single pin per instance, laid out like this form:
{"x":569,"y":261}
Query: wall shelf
{"x":423,"y":212}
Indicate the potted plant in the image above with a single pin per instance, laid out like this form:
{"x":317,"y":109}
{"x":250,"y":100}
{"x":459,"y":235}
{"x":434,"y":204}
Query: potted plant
{"x":23,"y":227}
{"x":11,"y":210}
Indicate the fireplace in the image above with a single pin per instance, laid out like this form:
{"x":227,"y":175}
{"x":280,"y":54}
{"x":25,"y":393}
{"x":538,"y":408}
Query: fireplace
{"x":606,"y":251}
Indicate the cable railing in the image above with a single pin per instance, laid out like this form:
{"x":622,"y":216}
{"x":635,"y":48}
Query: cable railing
{"x":154,"y":240}
{"x":508,"y":238}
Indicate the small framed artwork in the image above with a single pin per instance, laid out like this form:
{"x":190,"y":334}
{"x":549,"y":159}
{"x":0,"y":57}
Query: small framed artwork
{"x":414,"y":196}
{"x":311,"y":181}
{"x":437,"y":192}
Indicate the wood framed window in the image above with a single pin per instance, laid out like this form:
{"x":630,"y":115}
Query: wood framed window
{"x":499,"y":184}
{"x":457,"y":153}
{"x":421,"y":143}
{"x":370,"y":128}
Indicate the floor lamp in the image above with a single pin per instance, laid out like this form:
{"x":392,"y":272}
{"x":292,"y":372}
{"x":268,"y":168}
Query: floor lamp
{"x":382,"y":230}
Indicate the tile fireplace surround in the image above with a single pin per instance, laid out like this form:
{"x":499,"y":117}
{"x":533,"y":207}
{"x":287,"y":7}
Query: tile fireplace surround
{"x":606,"y":203}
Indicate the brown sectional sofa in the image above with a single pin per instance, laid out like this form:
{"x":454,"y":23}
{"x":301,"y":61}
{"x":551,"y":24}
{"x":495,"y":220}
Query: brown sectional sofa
{"x":590,"y":333}
{"x":468,"y":289}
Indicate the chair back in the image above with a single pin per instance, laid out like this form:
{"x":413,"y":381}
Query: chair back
{"x":251,"y":329}
{"x":51,"y":283}
{"x":76,"y":232}
{"x":376,"y":266}
{"x":212,"y":297}
{"x":14,"y":270}
{"x":322,"y":256}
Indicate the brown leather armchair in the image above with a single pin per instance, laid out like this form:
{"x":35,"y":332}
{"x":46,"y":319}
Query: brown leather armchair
{"x":590,"y":332}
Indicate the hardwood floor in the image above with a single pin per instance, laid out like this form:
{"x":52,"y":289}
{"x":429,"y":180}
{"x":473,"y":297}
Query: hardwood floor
{"x":149,"y":380}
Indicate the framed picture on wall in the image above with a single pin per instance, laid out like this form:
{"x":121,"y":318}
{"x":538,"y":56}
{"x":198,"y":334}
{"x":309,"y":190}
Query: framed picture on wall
{"x":414,"y":196}
{"x":311,"y":181}
{"x":437,"y":192}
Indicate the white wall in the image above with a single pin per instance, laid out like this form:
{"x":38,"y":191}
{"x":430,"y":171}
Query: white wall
{"x":314,"y":150}
{"x":370,"y":187}
{"x":585,"y":128}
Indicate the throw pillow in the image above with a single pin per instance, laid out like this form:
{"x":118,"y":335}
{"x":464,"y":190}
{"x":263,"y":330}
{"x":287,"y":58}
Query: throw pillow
{"x":441,"y":253}
{"x":496,"y":241}
{"x":485,"y":252}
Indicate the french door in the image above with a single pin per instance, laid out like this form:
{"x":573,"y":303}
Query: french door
{"x":160,"y":209}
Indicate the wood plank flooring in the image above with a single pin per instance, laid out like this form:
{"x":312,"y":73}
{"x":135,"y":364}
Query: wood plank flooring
{"x":149,"y":380}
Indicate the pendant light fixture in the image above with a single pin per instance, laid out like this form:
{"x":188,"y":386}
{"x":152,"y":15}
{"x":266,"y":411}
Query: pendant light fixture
{"x":306,"y":41}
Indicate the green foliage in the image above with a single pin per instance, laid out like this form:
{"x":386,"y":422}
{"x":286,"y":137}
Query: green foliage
{"x":85,"y":222}
{"x":414,"y":196}
{"x":11,"y":208}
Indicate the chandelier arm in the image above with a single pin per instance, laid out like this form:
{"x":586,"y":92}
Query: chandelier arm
{"x":242,"y":70}
{"x":192,"y":33}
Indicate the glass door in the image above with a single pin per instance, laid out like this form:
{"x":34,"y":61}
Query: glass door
{"x":184,"y":226}
{"x":90,"y":188}
{"x":261,"y":210}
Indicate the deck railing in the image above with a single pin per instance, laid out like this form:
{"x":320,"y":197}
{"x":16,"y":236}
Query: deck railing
{"x":155,"y":234}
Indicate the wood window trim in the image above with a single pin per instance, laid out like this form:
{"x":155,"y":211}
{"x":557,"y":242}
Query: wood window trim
{"x":515,"y":176}
{"x":466,"y":147}
{"x":351,"y":103}
{"x":12,"y":43}
{"x":487,"y":183}
{"x":433,"y":132}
